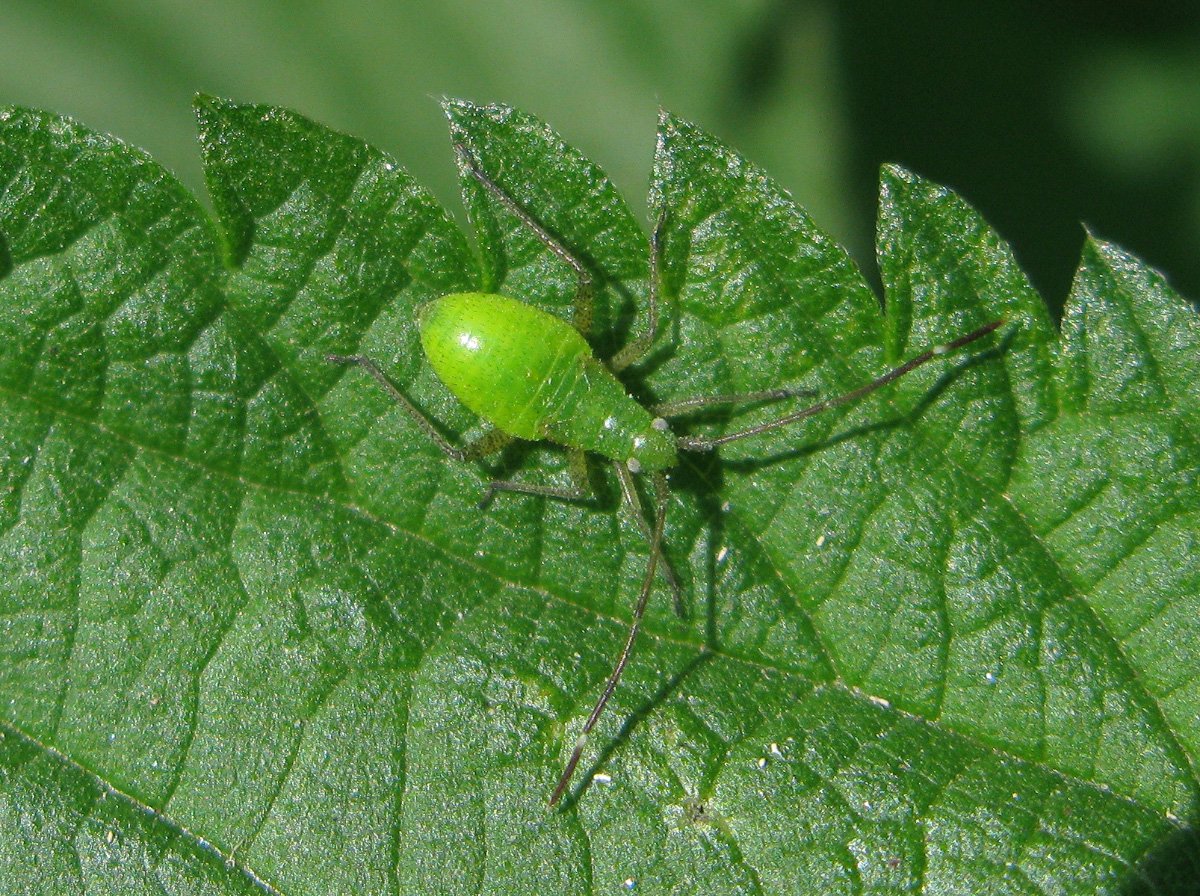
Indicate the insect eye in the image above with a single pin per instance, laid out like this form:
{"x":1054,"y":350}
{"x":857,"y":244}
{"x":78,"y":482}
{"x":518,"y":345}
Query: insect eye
{"x":634,"y":465}
{"x":659,"y":424}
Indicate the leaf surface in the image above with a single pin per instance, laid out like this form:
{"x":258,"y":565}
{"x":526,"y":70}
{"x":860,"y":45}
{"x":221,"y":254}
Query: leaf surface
{"x":255,"y":633}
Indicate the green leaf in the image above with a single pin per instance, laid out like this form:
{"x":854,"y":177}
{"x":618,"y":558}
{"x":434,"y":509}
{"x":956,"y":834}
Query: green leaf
{"x":255,"y":633}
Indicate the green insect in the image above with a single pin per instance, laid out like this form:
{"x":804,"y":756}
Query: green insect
{"x":533,"y":376}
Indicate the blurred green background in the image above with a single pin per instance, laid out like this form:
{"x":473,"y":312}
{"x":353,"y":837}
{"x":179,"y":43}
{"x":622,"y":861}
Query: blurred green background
{"x":1043,"y":115}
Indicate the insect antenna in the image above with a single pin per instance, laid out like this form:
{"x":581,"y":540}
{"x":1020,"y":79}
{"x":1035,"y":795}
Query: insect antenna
{"x":700,"y":443}
{"x":639,"y":610}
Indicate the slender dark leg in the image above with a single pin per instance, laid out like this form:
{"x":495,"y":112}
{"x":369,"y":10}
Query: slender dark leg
{"x":637,"y":349}
{"x":486,"y":444}
{"x":629,"y":491}
{"x":689,"y":405}
{"x":639,"y":611}
{"x":579,"y":490}
{"x":699,"y":443}
{"x":585,"y":291}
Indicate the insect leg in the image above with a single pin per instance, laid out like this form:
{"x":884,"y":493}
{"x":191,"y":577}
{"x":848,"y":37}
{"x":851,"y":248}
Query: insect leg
{"x":639,"y":611}
{"x":488,"y":443}
{"x":637,"y":349}
{"x":684,"y":406}
{"x":585,"y":291}
{"x":699,"y":443}
{"x":579,"y":490}
{"x":629,"y":490}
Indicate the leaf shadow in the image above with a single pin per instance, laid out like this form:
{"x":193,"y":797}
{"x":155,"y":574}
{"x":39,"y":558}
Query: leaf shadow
{"x":6,"y":262}
{"x":1171,"y":868}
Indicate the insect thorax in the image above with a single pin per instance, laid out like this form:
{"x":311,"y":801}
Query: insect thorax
{"x":593,"y":411}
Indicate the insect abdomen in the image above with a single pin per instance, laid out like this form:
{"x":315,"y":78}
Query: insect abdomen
{"x":501,"y":358}
{"x":533,"y":376}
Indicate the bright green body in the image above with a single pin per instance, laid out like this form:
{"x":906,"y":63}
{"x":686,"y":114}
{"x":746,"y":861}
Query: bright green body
{"x":533,"y":376}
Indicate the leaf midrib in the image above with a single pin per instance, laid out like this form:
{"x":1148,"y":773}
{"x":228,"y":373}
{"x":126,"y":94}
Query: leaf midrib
{"x":8,"y":728}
